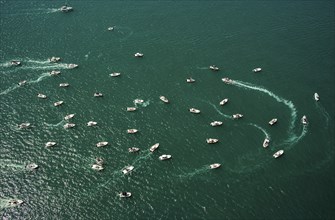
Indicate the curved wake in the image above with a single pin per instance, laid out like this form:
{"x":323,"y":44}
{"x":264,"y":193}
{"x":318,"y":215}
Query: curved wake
{"x":267,"y":135}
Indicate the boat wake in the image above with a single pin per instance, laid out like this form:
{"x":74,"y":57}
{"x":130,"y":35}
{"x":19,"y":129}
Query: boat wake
{"x":196,"y":172}
{"x":267,"y":135}
{"x":12,"y":167}
{"x":323,"y":111}
{"x":61,"y":123}
{"x":144,"y":104}
{"x":218,"y":111}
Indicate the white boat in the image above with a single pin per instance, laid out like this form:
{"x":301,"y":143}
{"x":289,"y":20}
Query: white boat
{"x":316,"y":97}
{"x":237,"y":116}
{"x":278,"y":153}
{"x":165,"y":157}
{"x":97,"y":167}
{"x":273,"y":121}
{"x":127,"y":169}
{"x":58,"y":103}
{"x":21,"y":83}
{"x":214,"y":68}
{"x":212,"y":140}
{"x":304,"y":120}
{"x":72,"y":66}
{"x":266,"y":142}
{"x":32,"y":166}
{"x":91,"y":123}
{"x":102,"y":144}
{"x":133,"y":149}
{"x":154,"y":147}
{"x":190,"y":80}
{"x":15,"y":63}
{"x":216,"y":123}
{"x":125,"y":194}
{"x":195,"y":111}
{"x":54,"y":73}
{"x":214,"y":165}
{"x":224,"y":101}
{"x":66,"y":8}
{"x":256,"y":70}
{"x":138,"y":101}
{"x":54,"y":59}
{"x":110,"y":28}
{"x":115,"y":74}
{"x":15,"y":202}
{"x":99,"y":161}
{"x":41,"y":96}
{"x":69,"y":116}
{"x":50,"y":144}
{"x":227,"y":80}
{"x":139,"y":55}
{"x":164,"y":99}
{"x":24,"y":125}
{"x":64,"y":85}
{"x":97,"y":94}
{"x":132,"y":131}
{"x":69,"y":125}
{"x":131,"y":109}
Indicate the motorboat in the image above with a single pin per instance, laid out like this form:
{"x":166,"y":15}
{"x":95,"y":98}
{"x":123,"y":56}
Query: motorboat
{"x":115,"y":74}
{"x":154,"y":147}
{"x":69,"y":116}
{"x":227,"y":80}
{"x":214,"y":68}
{"x":216,"y":123}
{"x":97,"y":94}
{"x":266,"y":142}
{"x":127,"y":169}
{"x":24,"y":125}
{"x":72,"y":66}
{"x":125,"y":194}
{"x":165,"y":157}
{"x":316,"y":97}
{"x":256,"y":70}
{"x":58,"y":103}
{"x":273,"y":121}
{"x":139,"y":55}
{"x":190,"y":80}
{"x":54,"y":73}
{"x":131,"y":109}
{"x":237,"y":116}
{"x":64,"y":85}
{"x":224,"y":101}
{"x":69,"y":125}
{"x":50,"y":144}
{"x":195,"y":111}
{"x":32,"y":166}
{"x":15,"y":63}
{"x":41,"y":96}
{"x":278,"y":153}
{"x":304,"y":120}
{"x":214,"y":165}
{"x":138,"y":101}
{"x":164,"y":99}
{"x":99,"y":161}
{"x":133,"y":149}
{"x":54,"y":59}
{"x":212,"y":140}
{"x":66,"y":8}
{"x":102,"y":144}
{"x":91,"y":123}
{"x":110,"y":28}
{"x":132,"y":131}
{"x":21,"y":83}
{"x":14,"y":202}
{"x":97,"y":167}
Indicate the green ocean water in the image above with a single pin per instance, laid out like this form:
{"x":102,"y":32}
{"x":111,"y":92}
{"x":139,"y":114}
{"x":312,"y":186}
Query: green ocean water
{"x":293,"y":42}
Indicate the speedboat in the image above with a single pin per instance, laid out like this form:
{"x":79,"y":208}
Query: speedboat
{"x":212,"y":140}
{"x":154,"y":147}
{"x":58,"y":103}
{"x":266,"y":142}
{"x":216,"y":123}
{"x":127,"y":169}
{"x":64,"y":85}
{"x":131,"y":109}
{"x":256,"y":70}
{"x":69,"y":125}
{"x":139,"y":55}
{"x":102,"y":144}
{"x":110,"y":28}
{"x":32,"y":166}
{"x":54,"y":59}
{"x":91,"y":123}
{"x":66,"y":8}
{"x":132,"y":131}
{"x":15,"y":63}
{"x":214,"y":165}
{"x":133,"y":149}
{"x":237,"y":116}
{"x":316,"y":97}
{"x":115,"y":74}
{"x":278,"y":153}
{"x":99,"y":161}
{"x":41,"y":96}
{"x":138,"y":101}
{"x":164,"y":99}
{"x":50,"y":144}
{"x":224,"y":101}
{"x":54,"y":73}
{"x":14,"y":202}
{"x":24,"y":125}
{"x":72,"y":66}
{"x":190,"y":80}
{"x":304,"y":120}
{"x":97,"y":167}
{"x":195,"y":111}
{"x":227,"y":80}
{"x":21,"y":83}
{"x":97,"y":94}
{"x":165,"y":157}
{"x":69,"y":116}
{"x":125,"y":194}
{"x":214,"y":68}
{"x":273,"y":121}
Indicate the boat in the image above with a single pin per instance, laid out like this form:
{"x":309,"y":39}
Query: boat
{"x":54,"y":73}
{"x":69,"y":125}
{"x":227,"y":80}
{"x":195,"y":111}
{"x":214,"y":68}
{"x":132,"y":131}
{"x":190,"y":80}
{"x":273,"y":121}
{"x":50,"y":144}
{"x":131,"y":109}
{"x":138,"y":101}
{"x":32,"y":166}
{"x":216,"y":123}
{"x":15,"y":63}
{"x":127,"y":169}
{"x":154,"y":147}
{"x":14,"y":202}
{"x":110,"y":28}
{"x":164,"y":99}
{"x":212,"y":140}
{"x":139,"y":55}
{"x":237,"y":116}
{"x":99,"y":161}
{"x":125,"y":194}
{"x":165,"y":157}
{"x":102,"y":144}
{"x":91,"y":123}
{"x":24,"y":125}
{"x":133,"y":149}
{"x":266,"y":142}
{"x":256,"y":70}
{"x":72,"y":66}
{"x":115,"y":74}
{"x":58,"y":103}
{"x":97,"y":94}
{"x":97,"y":167}
{"x":21,"y":83}
{"x":54,"y":59}
{"x":278,"y":153}
{"x":224,"y":101}
{"x":66,"y":8}
{"x":316,"y":97}
{"x":41,"y":96}
{"x":214,"y":165}
{"x":64,"y":85}
{"x":69,"y":116}
{"x":304,"y":120}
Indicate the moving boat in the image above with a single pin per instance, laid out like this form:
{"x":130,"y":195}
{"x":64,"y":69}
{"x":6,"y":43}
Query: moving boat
{"x":165,"y":157}
{"x":273,"y":121}
{"x":164,"y":99}
{"x":139,"y":55}
{"x":224,"y":101}
{"x":212,"y":140}
{"x":132,"y":131}
{"x":58,"y":103}
{"x":24,"y":125}
{"x":97,"y":94}
{"x":32,"y":166}
{"x":304,"y":120}
{"x":278,"y":153}
{"x":15,"y":202}
{"x":190,"y":80}
{"x":316,"y":97}
{"x":115,"y":74}
{"x":50,"y":144}
{"x":214,"y":165}
{"x":41,"y":96}
{"x":64,"y":85}
{"x":15,"y":63}
{"x":91,"y":123}
{"x":214,"y":68}
{"x":69,"y":125}
{"x":266,"y":142}
{"x":72,"y":66}
{"x":110,"y":28}
{"x":133,"y":149}
{"x":66,"y":8}
{"x":237,"y":116}
{"x":97,"y":167}
{"x":256,"y":70}
{"x":131,"y":109}
{"x":54,"y":73}
{"x":216,"y":123}
{"x":138,"y":101}
{"x":227,"y":80}
{"x":102,"y":144}
{"x":127,"y":169}
{"x":69,"y":116}
{"x":195,"y":111}
{"x":21,"y":83}
{"x":54,"y":59}
{"x":154,"y":147}
{"x":125,"y":194}
{"x":99,"y":161}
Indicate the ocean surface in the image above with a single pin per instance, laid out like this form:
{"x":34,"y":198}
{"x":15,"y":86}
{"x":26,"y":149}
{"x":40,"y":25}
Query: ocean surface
{"x":292,"y":41}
